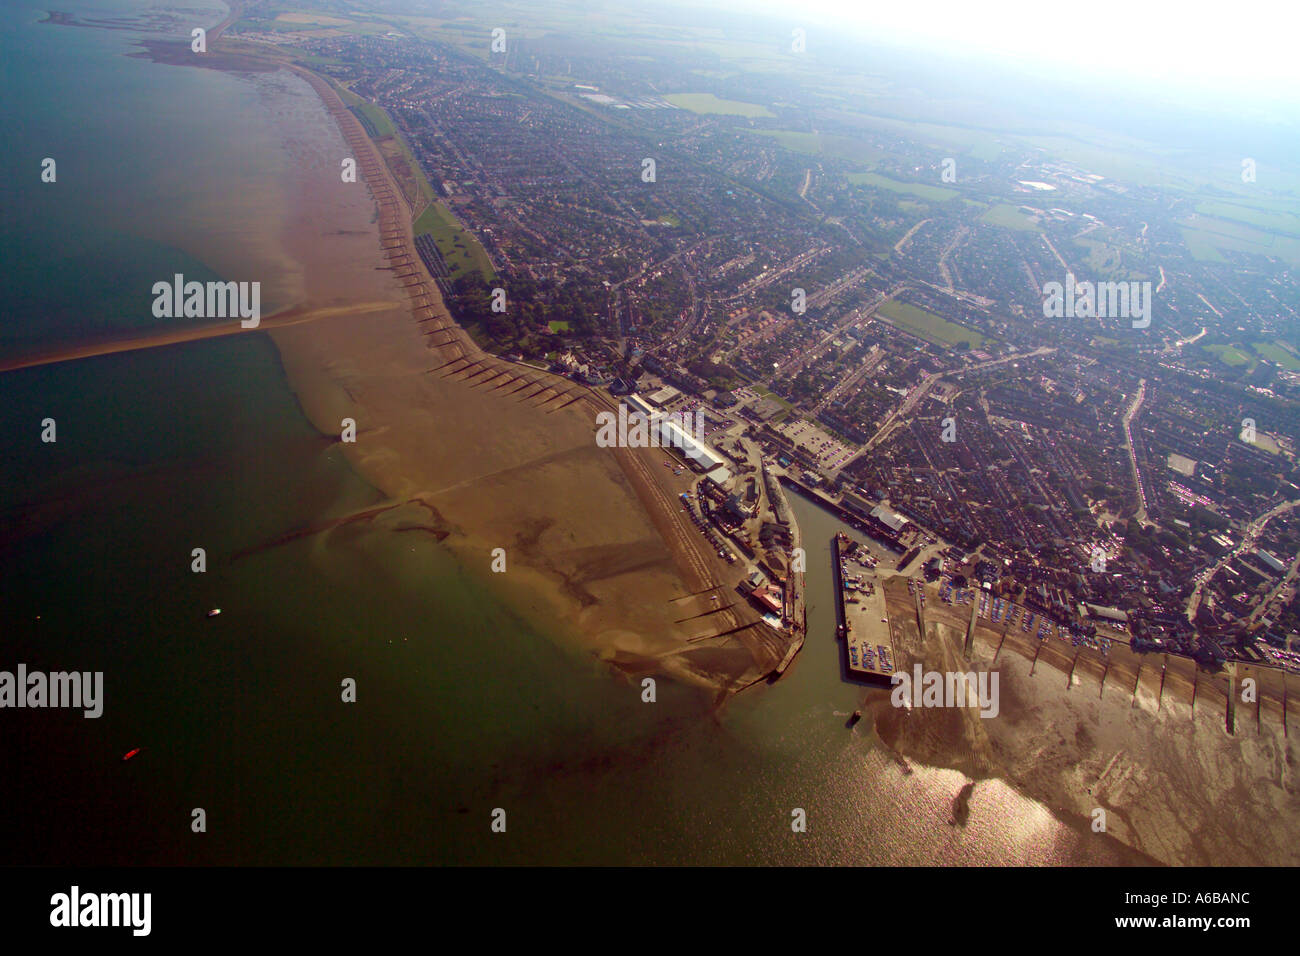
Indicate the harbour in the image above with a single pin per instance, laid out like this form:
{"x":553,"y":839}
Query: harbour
{"x":867,"y":643}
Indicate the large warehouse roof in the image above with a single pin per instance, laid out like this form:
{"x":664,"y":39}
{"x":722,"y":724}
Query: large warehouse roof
{"x":888,"y":518}
{"x":672,"y":433}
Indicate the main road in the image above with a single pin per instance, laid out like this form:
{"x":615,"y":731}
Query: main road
{"x":1129,"y":416}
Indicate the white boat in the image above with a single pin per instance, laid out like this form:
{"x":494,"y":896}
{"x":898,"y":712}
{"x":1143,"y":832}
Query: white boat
{"x":214,"y":612}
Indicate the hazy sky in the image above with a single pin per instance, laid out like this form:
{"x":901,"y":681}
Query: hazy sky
{"x":1252,"y":46}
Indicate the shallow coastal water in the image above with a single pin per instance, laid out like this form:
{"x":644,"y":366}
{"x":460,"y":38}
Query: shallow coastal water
{"x":462,"y":707}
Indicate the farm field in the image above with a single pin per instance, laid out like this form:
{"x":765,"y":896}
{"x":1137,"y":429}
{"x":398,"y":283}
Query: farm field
{"x":1208,"y":238}
{"x":1283,"y":223}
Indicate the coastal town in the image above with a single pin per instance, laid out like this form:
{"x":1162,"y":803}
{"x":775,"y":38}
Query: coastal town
{"x":876,"y":341}
{"x":640,"y":432}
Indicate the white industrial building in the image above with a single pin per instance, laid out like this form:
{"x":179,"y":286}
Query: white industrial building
{"x":669,"y":432}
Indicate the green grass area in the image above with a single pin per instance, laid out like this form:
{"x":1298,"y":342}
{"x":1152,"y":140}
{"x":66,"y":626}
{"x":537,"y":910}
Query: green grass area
{"x":929,"y":326}
{"x":1228,"y":355}
{"x":707,"y":103}
{"x":1274,"y":221}
{"x":308,"y":23}
{"x":932,"y":193}
{"x":558,"y":325}
{"x":461,"y":250}
{"x":311,"y":59}
{"x":1102,"y":258}
{"x":380,"y":127}
{"x":859,"y":152}
{"x":768,"y":393}
{"x":421,"y":181}
{"x":377,"y":118}
{"x":1279,"y":356}
{"x":1208,"y":238}
{"x":370,"y":114}
{"x":1201,"y":246}
{"x":1008,"y":217}
{"x":983,"y":143}
{"x":259,"y":25}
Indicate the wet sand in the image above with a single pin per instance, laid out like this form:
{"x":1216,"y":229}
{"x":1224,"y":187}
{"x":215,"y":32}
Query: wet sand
{"x":284,"y":317}
{"x":1176,"y":787}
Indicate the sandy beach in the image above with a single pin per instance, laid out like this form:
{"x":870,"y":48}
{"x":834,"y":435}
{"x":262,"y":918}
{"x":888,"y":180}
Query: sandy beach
{"x":494,"y":455}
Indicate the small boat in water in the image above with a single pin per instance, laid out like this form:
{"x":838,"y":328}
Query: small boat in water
{"x":214,"y":612}
{"x":131,"y":753}
{"x":857,"y":715}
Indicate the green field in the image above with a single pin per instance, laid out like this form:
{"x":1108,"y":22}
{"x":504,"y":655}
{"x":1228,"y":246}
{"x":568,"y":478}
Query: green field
{"x":769,"y":394}
{"x":298,"y":21}
{"x":461,"y":250}
{"x":1228,"y":355}
{"x":372,"y":117}
{"x":982,"y":142}
{"x":1201,"y":246}
{"x":709,"y":104}
{"x":378,"y":119}
{"x":1102,"y":258}
{"x":1207,"y":238}
{"x":1272,"y":352}
{"x":1283,"y":223}
{"x":558,"y":325}
{"x":932,"y":193}
{"x":1008,"y":217}
{"x":929,"y":326}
